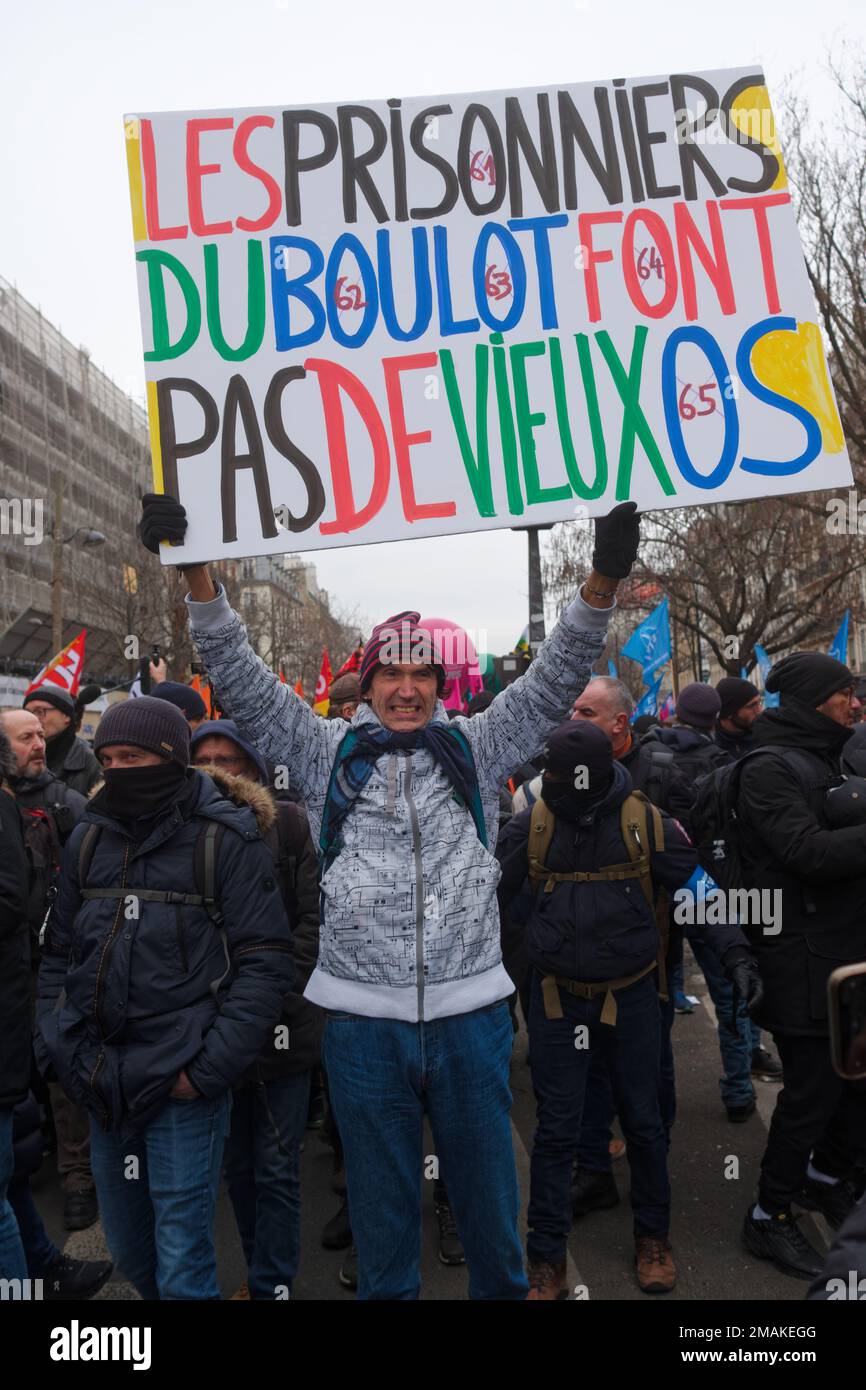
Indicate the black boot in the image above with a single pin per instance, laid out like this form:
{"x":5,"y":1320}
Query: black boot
{"x":592,"y":1190}
{"x":75,"y":1279}
{"x":80,"y":1209}
{"x":450,"y":1247}
{"x":337,"y":1234}
{"x":779,"y":1239}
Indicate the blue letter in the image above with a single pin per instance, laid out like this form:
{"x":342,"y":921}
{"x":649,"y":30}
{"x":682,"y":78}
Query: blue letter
{"x":283,"y":289}
{"x":814,"y":443}
{"x":348,"y":242}
{"x":539,"y":226}
{"x":713,"y":353}
{"x":423,"y":288}
{"x":518,"y":276}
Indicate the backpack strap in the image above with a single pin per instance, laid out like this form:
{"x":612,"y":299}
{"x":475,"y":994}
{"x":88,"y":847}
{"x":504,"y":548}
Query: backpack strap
{"x":542,"y":824}
{"x":636,"y":816}
{"x":204,"y":873}
{"x":85,"y":853}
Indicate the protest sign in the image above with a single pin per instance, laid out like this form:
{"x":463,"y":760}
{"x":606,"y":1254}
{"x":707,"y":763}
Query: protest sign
{"x":373,"y":321}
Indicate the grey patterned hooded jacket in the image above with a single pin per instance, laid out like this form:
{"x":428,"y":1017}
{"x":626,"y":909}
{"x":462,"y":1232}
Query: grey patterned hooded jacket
{"x":409,"y":922}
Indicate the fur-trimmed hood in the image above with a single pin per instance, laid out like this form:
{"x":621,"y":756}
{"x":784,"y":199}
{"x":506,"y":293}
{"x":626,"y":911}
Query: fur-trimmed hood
{"x":243,"y":791}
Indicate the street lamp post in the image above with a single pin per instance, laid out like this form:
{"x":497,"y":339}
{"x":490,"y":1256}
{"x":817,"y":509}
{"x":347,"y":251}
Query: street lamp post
{"x":91,"y":538}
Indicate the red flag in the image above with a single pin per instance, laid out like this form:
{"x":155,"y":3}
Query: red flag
{"x":353,"y":664}
{"x":64,"y":669}
{"x":321,"y":702}
{"x":282,"y":678}
{"x":299,"y":687}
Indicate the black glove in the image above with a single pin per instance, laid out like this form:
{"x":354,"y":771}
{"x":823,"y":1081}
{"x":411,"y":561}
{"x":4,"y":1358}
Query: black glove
{"x":162,"y":519}
{"x":617,"y":537}
{"x":742,"y":971}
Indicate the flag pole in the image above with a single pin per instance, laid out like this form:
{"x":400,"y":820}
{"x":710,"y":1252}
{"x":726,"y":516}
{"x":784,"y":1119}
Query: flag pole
{"x":675,"y":675}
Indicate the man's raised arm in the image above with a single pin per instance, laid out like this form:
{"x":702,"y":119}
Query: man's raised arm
{"x":278,"y":722}
{"x":517,"y":723}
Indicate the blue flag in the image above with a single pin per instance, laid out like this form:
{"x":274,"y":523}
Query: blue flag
{"x":764,"y":664}
{"x":839,"y":645}
{"x":650,"y":643}
{"x":649,"y":701}
{"x":611,"y":669}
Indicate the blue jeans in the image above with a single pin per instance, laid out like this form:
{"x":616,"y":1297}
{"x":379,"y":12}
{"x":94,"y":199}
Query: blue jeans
{"x":157,"y":1213}
{"x":263,"y":1176}
{"x":599,"y":1106}
{"x":39,"y":1250}
{"x":559,"y":1077}
{"x":13,"y":1265}
{"x":736,"y":1048}
{"x":384,"y":1075}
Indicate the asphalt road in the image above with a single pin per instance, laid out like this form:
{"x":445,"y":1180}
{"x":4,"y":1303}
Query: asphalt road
{"x":708,"y":1207}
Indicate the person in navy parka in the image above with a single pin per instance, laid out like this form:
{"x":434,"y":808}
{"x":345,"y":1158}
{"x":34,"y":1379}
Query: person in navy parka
{"x":152,"y":1003}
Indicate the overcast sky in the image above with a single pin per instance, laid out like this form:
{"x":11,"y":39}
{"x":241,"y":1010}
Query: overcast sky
{"x":72,"y":70}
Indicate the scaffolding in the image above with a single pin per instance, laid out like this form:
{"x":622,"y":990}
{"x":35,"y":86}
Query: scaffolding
{"x":65,"y":428}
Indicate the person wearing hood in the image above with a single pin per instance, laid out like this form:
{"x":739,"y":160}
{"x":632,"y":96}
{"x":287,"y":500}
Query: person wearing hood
{"x":270,"y":1100}
{"x":594,"y":940}
{"x":50,"y":811}
{"x":166,"y":961}
{"x":68,"y":757}
{"x":405,"y":806}
{"x":741,"y":703}
{"x":790,"y":846}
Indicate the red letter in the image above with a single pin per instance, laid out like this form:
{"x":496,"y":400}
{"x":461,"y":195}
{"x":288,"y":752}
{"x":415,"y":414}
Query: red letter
{"x":658,"y":231}
{"x":332,"y":379}
{"x":718,"y":270}
{"x":195,"y":172}
{"x":243,"y":161}
{"x":759,"y":207}
{"x":585,"y":224}
{"x":392,"y":367}
{"x":148,"y":162}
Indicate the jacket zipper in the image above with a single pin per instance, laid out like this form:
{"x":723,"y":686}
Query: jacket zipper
{"x":106,"y":1121}
{"x":419,"y":887}
{"x":107,"y":948}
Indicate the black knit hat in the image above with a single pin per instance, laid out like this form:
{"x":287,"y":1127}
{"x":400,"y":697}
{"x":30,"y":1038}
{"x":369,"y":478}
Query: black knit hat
{"x":579,"y":744}
{"x":698,"y":705}
{"x":734,"y":693}
{"x":52,"y":695}
{"x":810,"y":677}
{"x":146,"y":723}
{"x":183,"y":696}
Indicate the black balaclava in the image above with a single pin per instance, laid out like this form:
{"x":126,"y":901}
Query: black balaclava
{"x":136,"y":793}
{"x":579,"y":769}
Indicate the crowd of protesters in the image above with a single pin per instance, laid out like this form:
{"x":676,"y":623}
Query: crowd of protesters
{"x":216,"y":932}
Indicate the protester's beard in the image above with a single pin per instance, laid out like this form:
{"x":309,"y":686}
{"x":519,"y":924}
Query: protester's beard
{"x":131,"y":793}
{"x":572,"y":802}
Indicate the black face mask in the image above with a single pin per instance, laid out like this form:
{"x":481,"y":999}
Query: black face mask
{"x":570,"y":802}
{"x":131,"y":793}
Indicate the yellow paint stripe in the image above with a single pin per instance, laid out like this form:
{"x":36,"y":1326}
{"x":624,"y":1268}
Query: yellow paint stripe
{"x":155,"y":445}
{"x":132,"y":131}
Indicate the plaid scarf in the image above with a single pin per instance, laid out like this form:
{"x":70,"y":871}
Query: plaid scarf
{"x":358,"y":754}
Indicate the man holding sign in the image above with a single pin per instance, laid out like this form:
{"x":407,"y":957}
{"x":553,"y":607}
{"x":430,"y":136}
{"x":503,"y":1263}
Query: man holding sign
{"x":405,"y":808}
